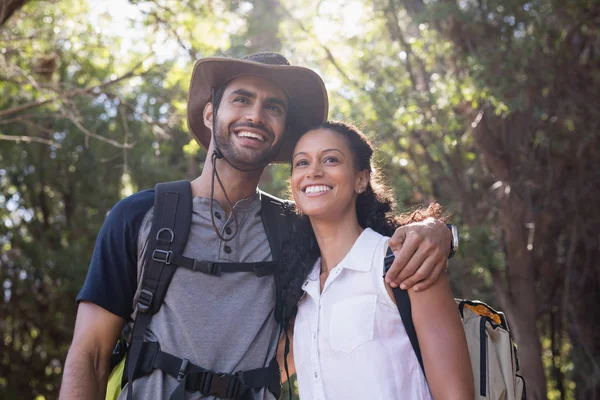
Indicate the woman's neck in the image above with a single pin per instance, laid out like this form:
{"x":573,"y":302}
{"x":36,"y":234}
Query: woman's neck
{"x":335,"y":238}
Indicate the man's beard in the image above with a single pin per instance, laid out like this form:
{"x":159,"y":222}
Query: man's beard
{"x":250,"y":159}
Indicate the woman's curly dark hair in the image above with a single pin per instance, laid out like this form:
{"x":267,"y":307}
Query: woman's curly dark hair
{"x":374,"y":209}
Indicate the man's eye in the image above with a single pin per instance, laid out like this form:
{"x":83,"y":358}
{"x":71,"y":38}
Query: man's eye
{"x":275,"y":108}
{"x":241,"y":100}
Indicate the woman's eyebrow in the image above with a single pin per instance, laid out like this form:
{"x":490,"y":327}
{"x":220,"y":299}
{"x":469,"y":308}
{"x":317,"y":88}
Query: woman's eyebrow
{"x":332,"y":149}
{"x":322,"y":151}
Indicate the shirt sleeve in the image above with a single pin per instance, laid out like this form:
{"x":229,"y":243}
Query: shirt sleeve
{"x":111,"y":281}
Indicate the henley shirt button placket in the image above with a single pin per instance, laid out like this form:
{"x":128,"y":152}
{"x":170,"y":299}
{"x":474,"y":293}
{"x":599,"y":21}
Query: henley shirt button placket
{"x":227,"y":249}
{"x":217,"y":215}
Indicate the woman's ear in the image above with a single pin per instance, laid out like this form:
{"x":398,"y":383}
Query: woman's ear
{"x":208,"y":115}
{"x":362,"y":181}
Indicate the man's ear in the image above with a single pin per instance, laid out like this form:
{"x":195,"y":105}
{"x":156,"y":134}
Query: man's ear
{"x":208,"y":115}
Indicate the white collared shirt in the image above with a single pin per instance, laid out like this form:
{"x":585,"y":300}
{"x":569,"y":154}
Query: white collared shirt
{"x":349,"y":340}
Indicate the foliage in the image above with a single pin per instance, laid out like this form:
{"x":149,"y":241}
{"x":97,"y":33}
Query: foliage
{"x":485,"y":106}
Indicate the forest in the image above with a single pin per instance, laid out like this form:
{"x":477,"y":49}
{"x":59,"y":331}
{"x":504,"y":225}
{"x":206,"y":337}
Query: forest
{"x":489,"y":107}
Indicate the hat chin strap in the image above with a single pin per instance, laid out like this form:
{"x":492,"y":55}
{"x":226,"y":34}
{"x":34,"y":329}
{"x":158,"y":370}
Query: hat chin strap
{"x":217,"y":155}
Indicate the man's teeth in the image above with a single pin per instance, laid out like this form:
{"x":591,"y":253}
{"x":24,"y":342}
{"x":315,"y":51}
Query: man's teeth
{"x":317,"y":189}
{"x":251,"y":135}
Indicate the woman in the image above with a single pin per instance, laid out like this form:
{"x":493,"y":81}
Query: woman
{"x":349,"y":340}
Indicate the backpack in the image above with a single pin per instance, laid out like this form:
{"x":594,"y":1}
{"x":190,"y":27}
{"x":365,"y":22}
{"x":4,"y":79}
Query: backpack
{"x":166,"y":242}
{"x":492,"y":351}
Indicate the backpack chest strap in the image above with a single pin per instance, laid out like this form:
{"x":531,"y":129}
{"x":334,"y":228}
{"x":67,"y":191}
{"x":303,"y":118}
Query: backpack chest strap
{"x":261,"y":268}
{"x":193,"y":378}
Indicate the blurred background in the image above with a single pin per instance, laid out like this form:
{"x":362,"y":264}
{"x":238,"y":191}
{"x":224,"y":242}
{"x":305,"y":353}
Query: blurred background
{"x":489,"y":107}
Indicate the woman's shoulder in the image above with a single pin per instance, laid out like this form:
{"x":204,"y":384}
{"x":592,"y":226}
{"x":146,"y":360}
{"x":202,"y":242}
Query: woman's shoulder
{"x":374,"y":240}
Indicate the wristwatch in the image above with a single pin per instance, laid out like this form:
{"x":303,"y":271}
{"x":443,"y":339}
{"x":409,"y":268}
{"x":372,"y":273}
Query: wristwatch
{"x":454,"y":242}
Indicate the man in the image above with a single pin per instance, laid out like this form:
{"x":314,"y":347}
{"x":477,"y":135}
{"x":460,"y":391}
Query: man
{"x":247,"y":113}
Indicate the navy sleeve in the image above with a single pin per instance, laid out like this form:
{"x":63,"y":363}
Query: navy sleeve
{"x":111,"y":280}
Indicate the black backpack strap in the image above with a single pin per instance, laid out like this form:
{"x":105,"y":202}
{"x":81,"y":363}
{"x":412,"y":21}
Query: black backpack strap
{"x":403,"y":304}
{"x":192,"y":378}
{"x":168,"y":236}
{"x":276,"y":215}
{"x":260,"y":268}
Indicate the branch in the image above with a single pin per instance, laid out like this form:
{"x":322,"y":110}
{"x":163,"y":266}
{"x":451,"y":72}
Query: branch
{"x":161,"y":21}
{"x":88,"y":133}
{"x":328,"y":52}
{"x":156,"y":128}
{"x":71,"y":93}
{"x":420,"y":81}
{"x":29,"y":139}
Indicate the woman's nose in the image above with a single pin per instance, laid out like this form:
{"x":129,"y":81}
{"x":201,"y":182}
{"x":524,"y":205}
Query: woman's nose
{"x":315,"y":171}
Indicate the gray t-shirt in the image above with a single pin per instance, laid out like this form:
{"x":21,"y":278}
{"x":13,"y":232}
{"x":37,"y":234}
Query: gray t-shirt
{"x":222,"y":323}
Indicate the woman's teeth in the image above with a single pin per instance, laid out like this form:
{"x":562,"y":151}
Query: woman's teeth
{"x":317,"y":189}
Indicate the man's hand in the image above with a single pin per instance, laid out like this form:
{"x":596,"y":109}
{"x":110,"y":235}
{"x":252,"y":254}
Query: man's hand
{"x":421,"y":251}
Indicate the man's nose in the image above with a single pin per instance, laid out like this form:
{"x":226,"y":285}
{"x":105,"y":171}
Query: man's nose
{"x":256,"y":114}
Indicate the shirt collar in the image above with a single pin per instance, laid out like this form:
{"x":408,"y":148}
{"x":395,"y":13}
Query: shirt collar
{"x":359,"y":258}
{"x":244,"y":205}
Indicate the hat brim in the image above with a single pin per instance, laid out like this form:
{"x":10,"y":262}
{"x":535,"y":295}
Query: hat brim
{"x":308,"y":103}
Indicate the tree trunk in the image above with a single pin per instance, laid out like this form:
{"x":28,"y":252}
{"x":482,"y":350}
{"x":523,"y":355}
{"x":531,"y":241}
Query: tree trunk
{"x":522,"y":293}
{"x":8,"y":8}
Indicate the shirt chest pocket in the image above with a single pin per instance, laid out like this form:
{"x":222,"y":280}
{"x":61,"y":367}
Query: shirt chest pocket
{"x":352,"y":322}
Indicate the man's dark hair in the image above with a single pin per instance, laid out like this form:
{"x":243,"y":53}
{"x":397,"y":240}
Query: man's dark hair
{"x":217,"y":97}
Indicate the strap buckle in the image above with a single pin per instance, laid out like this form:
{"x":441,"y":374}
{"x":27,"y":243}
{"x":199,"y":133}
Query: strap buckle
{"x":220,"y":385}
{"x":145,"y":300}
{"x":182,"y":369}
{"x":163,"y":256}
{"x":207,"y":267}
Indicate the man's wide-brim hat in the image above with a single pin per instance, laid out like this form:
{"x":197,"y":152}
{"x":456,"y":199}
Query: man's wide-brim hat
{"x":308,"y":104}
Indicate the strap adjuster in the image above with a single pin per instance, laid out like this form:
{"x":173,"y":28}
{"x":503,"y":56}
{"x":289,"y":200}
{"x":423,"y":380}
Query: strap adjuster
{"x":145,"y":300}
{"x":207,"y":267}
{"x":213,"y":268}
{"x":163,"y":256}
{"x":182,"y":369}
{"x":233,"y":389}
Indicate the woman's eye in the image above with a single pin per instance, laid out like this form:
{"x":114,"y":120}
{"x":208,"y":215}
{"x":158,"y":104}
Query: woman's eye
{"x":330,"y":160}
{"x":300,"y":163}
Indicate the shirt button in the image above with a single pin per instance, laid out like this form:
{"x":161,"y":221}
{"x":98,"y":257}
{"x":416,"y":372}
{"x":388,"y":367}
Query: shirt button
{"x":227,"y":249}
{"x":218,"y":215}
{"x":228,"y":230}
{"x":316,"y":375}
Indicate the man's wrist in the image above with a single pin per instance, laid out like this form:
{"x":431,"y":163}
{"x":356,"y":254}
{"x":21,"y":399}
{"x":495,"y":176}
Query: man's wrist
{"x":454,"y":240}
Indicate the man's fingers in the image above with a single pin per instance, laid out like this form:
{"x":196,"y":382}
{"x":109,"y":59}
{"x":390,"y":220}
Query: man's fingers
{"x":423,"y":272}
{"x":401,"y":259}
{"x":398,"y":238}
{"x":415,"y":267}
{"x":439,"y":269}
